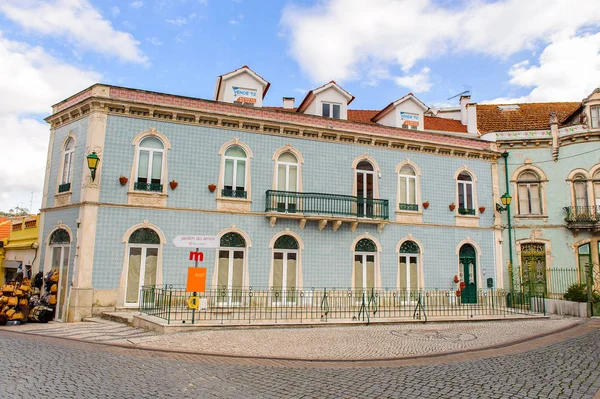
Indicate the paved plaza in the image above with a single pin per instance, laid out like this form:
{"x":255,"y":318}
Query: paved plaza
{"x":561,"y":365}
{"x":377,"y":341}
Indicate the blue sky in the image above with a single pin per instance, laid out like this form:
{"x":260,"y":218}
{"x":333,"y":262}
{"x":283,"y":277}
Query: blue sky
{"x":378,"y":50}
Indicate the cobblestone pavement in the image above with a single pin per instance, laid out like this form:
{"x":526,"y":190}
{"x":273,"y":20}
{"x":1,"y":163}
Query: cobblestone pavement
{"x":347,"y":342}
{"x":42,"y":367}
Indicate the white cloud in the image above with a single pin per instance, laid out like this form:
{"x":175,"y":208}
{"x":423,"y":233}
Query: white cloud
{"x":568,"y":70}
{"x":115,"y":11}
{"x":76,"y":20}
{"x":31,"y":80}
{"x":233,"y":22}
{"x":137,"y":4}
{"x":301,"y":91}
{"x":418,"y":82}
{"x":179,"y":21}
{"x":345,"y":39}
{"x":154,"y":41}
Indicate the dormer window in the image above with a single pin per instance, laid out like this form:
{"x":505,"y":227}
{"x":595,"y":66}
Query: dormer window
{"x":332,"y":110}
{"x":595,"y":116}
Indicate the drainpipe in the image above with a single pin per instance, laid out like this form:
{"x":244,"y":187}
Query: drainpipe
{"x":510,"y":251}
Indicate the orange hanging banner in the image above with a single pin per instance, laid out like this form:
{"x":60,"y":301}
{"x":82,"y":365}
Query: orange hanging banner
{"x":196,"y":279}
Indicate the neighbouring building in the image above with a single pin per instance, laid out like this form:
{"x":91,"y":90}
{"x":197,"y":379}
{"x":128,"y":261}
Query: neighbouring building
{"x":20,"y":247}
{"x":314,"y":195}
{"x":553,"y":177}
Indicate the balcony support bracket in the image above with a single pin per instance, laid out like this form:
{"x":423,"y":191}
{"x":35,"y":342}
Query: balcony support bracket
{"x":380,"y":227}
{"x":302,"y":223}
{"x":322,"y":224}
{"x":272,"y":221}
{"x":336,"y":225}
{"x":353,"y":226}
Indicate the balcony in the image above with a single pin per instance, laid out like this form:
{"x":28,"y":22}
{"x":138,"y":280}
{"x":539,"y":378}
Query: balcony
{"x":326,"y":208}
{"x":154,"y":187}
{"x":583,"y":217}
{"x":230,"y":193}
{"x":466,"y":211}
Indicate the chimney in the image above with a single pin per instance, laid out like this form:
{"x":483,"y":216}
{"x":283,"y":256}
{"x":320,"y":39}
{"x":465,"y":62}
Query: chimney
{"x":464,"y":100}
{"x":288,"y":102}
{"x":554,"y":130}
{"x":472,"y":118}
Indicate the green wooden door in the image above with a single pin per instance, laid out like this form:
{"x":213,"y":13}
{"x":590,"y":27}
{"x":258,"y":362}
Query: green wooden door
{"x":468,"y":267}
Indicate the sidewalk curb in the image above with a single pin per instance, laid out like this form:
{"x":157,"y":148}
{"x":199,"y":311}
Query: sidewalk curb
{"x":305,"y":360}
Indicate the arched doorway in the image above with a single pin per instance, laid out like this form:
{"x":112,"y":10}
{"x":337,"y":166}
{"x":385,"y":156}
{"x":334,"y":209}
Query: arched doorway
{"x":60,"y":249}
{"x":230,"y":275}
{"x":142,"y":264}
{"x":365,"y":253}
{"x":468,"y":269}
{"x":285,"y":269}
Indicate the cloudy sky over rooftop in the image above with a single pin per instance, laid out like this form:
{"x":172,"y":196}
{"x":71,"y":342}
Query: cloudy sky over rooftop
{"x":503,"y":51}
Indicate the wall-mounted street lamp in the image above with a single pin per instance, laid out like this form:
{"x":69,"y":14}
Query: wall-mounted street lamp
{"x":93,"y":161}
{"x":506,"y":199}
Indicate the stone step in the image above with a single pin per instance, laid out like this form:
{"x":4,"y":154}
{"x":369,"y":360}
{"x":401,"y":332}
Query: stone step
{"x":119,"y":317}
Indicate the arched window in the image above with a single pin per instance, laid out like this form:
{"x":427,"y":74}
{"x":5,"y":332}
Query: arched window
{"x":142,"y":265}
{"x":285,"y":269}
{"x":60,"y":249}
{"x":408,"y":265}
{"x":365,"y":180}
{"x":580,"y":192}
{"x":468,"y":272}
{"x":67,"y":166}
{"x":407,"y":189}
{"x":597,"y":190}
{"x":466,"y":204}
{"x":234,"y":173}
{"x":529,"y":189}
{"x":150,"y":166}
{"x":287,"y":180}
{"x":230,"y":274}
{"x":365,"y":256}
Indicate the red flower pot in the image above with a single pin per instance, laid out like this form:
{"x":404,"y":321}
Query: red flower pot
{"x":212,"y":188}
{"x":458,"y":293}
{"x":123,"y":180}
{"x":481,"y":209}
{"x":426,"y":204}
{"x":451,"y":207}
{"x":462,"y":285}
{"x":456,"y":280}
{"x":173,"y":184}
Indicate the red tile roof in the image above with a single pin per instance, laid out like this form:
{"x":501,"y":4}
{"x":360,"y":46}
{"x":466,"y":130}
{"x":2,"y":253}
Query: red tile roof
{"x":528,"y":116}
{"x":365,"y":116}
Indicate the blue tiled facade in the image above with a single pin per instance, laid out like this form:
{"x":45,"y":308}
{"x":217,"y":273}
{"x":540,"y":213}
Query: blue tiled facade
{"x":194,"y":162}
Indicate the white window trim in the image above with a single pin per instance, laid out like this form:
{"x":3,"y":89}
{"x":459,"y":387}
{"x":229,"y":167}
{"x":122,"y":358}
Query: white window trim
{"x":134,"y":167}
{"x":245,"y":277}
{"x":377,"y":278}
{"x":473,"y":184}
{"x":543,"y":181}
{"x":151,"y":152}
{"x":221,"y":180}
{"x":420,"y":266}
{"x":479,"y":282}
{"x":595,"y":109}
{"x":417,"y":178}
{"x":63,"y":153}
{"x":125,"y":266}
{"x":331,"y":104}
{"x":376,"y":175}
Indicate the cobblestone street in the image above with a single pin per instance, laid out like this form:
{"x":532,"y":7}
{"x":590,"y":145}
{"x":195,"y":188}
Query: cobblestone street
{"x":37,"y":366}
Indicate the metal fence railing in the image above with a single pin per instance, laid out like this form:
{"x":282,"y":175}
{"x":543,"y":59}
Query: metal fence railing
{"x":326,"y":204}
{"x":239,"y":306}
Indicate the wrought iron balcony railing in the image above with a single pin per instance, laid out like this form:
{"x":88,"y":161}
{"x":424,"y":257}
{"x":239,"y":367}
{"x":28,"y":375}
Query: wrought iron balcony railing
{"x":157,"y":187}
{"x":64,"y":187}
{"x":227,"y":192}
{"x":582,"y":214}
{"x":326,"y":204}
{"x":466,"y":211}
{"x":408,"y":207}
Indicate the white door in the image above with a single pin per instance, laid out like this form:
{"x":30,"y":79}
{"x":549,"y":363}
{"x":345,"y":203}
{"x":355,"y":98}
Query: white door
{"x":364,"y":273}
{"x":141,"y":271}
{"x":60,"y":263}
{"x":230,"y":277}
{"x":285,"y":275}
